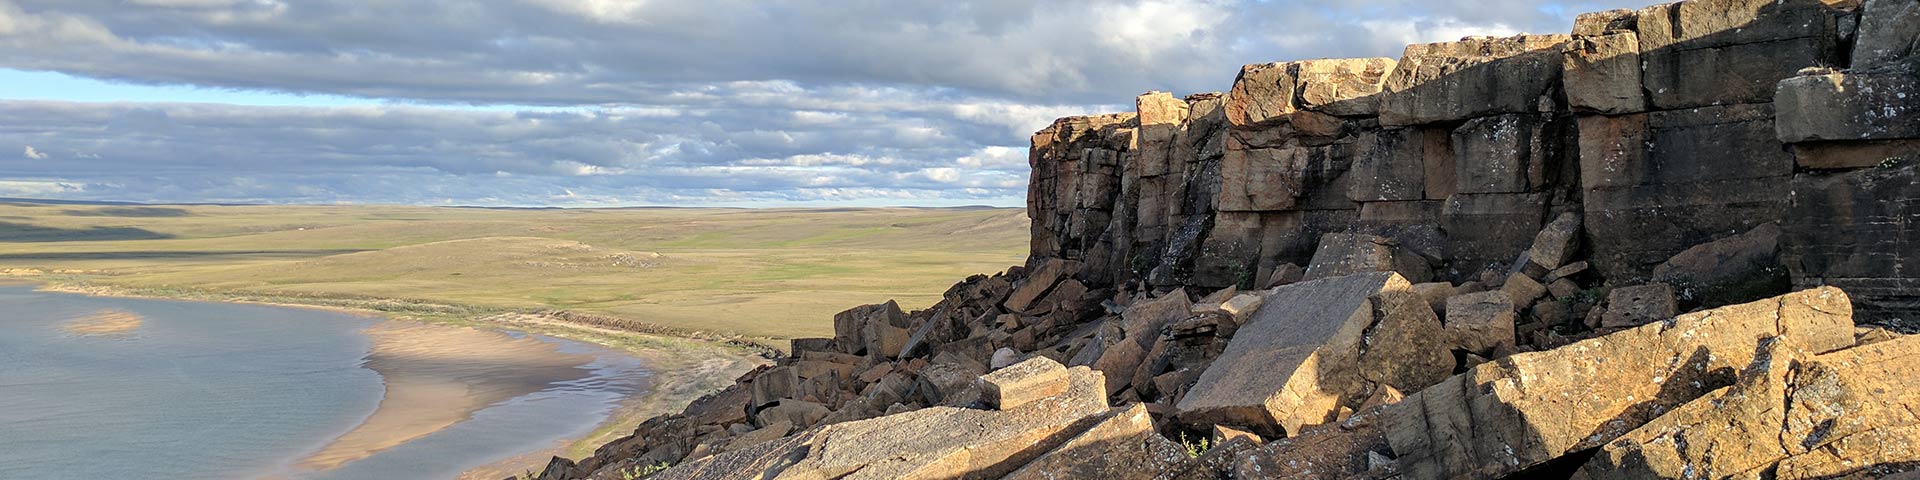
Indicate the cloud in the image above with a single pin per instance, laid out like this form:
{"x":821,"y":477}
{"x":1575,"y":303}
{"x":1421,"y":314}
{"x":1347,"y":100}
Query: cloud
{"x":32,"y":154}
{"x":621,"y":102}
{"x":411,"y":154}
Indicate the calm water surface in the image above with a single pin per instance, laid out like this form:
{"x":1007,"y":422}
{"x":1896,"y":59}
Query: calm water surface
{"x":211,"y":390}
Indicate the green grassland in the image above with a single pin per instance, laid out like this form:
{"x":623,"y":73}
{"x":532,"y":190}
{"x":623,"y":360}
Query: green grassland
{"x":764,"y":273}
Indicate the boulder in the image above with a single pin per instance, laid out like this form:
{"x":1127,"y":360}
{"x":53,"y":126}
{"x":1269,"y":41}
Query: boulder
{"x":850,"y":327}
{"x":1602,"y":74}
{"x":1557,"y":243}
{"x":1511,"y":415}
{"x":1026,"y":382}
{"x":1791,"y":414}
{"x":945,"y":379}
{"x":1038,"y":283}
{"x":886,"y":340}
{"x":1262,"y":94}
{"x":1268,"y":94}
{"x":807,"y":369}
{"x":1480,"y":322}
{"x":1284,"y":274}
{"x":1342,"y":254}
{"x":1224,"y":434}
{"x":798,"y":346}
{"x":1567,"y":271}
{"x":1436,"y":294}
{"x":1889,"y":33}
{"x":1737,"y":269}
{"x":1119,"y":361}
{"x":771,"y":432}
{"x":1639,"y":305}
{"x":1123,"y":445}
{"x":1143,"y":321}
{"x":930,"y":443}
{"x":1563,"y":289}
{"x":1473,"y":77}
{"x":1003,"y":358}
{"x":1592,"y":24}
{"x":1348,"y":450}
{"x":801,"y":414}
{"x":1848,"y":107}
{"x":1404,"y":350}
{"x":1342,"y":86}
{"x":1522,"y":289}
{"x":772,"y":385}
{"x":1294,"y":362}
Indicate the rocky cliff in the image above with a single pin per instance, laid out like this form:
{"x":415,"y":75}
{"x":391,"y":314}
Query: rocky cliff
{"x":1665,"y":245}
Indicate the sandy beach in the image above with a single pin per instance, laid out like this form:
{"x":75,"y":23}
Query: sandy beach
{"x":498,"y":367}
{"x":437,"y":376}
{"x":104,"y":322}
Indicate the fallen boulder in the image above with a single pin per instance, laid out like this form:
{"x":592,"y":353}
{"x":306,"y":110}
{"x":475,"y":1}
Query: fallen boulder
{"x":1295,"y":361}
{"x":1341,"y":254}
{"x":1638,"y":305}
{"x":1033,"y":380}
{"x":1480,"y":322}
{"x":1737,"y":269}
{"x":1123,"y":446}
{"x":930,"y":443}
{"x":1512,"y":414}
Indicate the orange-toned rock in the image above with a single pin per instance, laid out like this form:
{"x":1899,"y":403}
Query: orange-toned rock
{"x":1025,"y":382}
{"x":930,"y":443}
{"x":1791,"y":415}
{"x":1122,"y":446}
{"x":1508,"y":415}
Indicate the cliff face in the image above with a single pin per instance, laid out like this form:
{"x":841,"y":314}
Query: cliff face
{"x":1611,"y":254}
{"x":1665,"y":128}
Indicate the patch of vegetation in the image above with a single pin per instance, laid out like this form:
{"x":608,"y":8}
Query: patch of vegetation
{"x":767,"y":274}
{"x":643,"y":471}
{"x":1142,"y":263}
{"x":1196,"y":448}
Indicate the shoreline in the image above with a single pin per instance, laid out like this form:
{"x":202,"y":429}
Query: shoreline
{"x":437,"y":376}
{"x":681,"y":368}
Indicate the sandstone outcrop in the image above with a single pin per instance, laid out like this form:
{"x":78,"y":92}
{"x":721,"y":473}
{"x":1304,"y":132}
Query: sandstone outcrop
{"x":1639,"y":250}
{"x":1792,"y":414}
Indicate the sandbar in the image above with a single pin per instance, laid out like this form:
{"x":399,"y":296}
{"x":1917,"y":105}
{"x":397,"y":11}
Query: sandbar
{"x":437,"y":376}
{"x":104,"y":322}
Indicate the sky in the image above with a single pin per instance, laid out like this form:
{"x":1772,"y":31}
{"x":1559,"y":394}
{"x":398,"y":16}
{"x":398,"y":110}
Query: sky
{"x":585,"y":103}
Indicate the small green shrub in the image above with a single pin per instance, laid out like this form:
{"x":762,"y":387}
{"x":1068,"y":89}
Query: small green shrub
{"x":1142,"y":263}
{"x":1195,"y":448}
{"x":642,"y":471}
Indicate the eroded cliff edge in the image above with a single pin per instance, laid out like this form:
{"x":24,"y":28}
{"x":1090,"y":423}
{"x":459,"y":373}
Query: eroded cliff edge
{"x":1670,"y":244}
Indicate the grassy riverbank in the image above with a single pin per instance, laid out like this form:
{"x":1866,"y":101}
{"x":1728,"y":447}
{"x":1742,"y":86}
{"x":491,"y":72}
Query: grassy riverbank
{"x":695,"y":293}
{"x":768,"y":274}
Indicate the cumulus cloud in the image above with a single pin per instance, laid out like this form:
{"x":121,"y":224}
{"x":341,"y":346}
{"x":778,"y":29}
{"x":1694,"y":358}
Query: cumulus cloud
{"x":32,"y":154}
{"x":601,"y":101}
